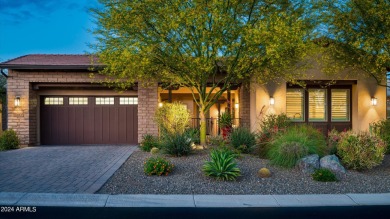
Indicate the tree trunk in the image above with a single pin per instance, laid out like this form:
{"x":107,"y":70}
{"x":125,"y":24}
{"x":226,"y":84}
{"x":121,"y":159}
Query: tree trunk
{"x":202,"y":128}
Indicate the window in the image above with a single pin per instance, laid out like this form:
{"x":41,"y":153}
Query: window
{"x":340,"y":105}
{"x":128,"y":100}
{"x":104,"y":101}
{"x":54,"y":101}
{"x":317,"y":105}
{"x":78,"y":100}
{"x":295,"y":104}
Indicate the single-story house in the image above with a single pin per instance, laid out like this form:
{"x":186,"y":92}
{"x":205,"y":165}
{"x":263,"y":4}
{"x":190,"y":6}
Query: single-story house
{"x":53,"y":100}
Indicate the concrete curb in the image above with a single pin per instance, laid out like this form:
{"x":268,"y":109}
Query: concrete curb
{"x":103,"y":200}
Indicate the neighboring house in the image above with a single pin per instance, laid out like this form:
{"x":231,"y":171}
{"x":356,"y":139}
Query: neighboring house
{"x":52,"y":100}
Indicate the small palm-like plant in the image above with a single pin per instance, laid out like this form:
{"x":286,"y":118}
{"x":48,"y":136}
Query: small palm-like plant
{"x":222,"y":166}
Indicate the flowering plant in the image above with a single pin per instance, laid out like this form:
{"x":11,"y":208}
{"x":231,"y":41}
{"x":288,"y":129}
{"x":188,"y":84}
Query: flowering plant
{"x":157,"y":166}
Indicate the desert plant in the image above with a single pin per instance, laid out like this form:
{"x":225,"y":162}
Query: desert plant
{"x":154,"y":151}
{"x":148,"y":142}
{"x":222,"y":166}
{"x":225,"y":120}
{"x":172,"y":118}
{"x":157,"y":166}
{"x":324,"y":175}
{"x":297,"y":142}
{"x":333,"y":138}
{"x":242,"y":139}
{"x":177,"y":144}
{"x":382,"y":130}
{"x":360,"y":150}
{"x":9,"y":140}
{"x":216,"y":141}
{"x":194,"y":134}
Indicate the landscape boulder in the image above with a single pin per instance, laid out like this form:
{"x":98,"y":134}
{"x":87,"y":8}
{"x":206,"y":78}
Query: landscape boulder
{"x":309,"y":163}
{"x":332,"y":163}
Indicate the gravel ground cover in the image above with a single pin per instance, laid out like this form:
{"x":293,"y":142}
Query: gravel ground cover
{"x":188,"y":178}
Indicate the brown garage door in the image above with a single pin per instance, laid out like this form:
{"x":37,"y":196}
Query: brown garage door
{"x":69,"y":120}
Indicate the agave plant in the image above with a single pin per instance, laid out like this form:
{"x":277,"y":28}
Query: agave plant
{"x":222,"y":166}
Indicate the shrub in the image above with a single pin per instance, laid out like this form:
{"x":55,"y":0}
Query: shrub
{"x":177,"y":144}
{"x":382,"y":130}
{"x":324,"y":175}
{"x":154,"y":151}
{"x":222,"y":166}
{"x":270,"y":126}
{"x":157,"y":166}
{"x":360,"y":150}
{"x":9,"y":140}
{"x":242,"y":139}
{"x":297,"y":142}
{"x":148,"y":142}
{"x":333,"y":138}
{"x":172,"y":118}
{"x":194,"y":134}
{"x":216,"y":141}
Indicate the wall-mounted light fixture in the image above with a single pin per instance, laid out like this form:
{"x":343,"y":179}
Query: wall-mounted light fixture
{"x":160,"y":104}
{"x":17,"y":101}
{"x":374,"y":101}
{"x":271,"y":101}
{"x":236,"y":105}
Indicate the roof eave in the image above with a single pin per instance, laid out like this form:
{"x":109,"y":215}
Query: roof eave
{"x":51,"y":67}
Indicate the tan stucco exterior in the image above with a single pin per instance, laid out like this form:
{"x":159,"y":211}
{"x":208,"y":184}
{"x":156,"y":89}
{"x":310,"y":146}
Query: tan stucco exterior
{"x":363,"y":113}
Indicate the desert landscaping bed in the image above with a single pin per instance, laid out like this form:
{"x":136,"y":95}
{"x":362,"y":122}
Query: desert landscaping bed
{"x":188,"y":178}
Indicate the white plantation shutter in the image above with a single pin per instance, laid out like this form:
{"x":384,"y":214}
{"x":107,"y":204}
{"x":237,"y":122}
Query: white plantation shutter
{"x":317,"y":105}
{"x":340,"y":105}
{"x":295,"y":104}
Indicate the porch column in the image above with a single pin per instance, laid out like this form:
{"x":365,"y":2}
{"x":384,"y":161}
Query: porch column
{"x":244,"y":107}
{"x":147,"y":105}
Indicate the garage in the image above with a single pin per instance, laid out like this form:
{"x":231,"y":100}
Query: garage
{"x":84,"y":120}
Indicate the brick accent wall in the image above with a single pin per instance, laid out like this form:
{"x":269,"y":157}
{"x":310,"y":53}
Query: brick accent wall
{"x":245,"y":107}
{"x":23,"y":119}
{"x":147,"y":105}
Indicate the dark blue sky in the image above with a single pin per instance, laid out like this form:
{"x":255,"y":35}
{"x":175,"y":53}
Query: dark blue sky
{"x":45,"y":27}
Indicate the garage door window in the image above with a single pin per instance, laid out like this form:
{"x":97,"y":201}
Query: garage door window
{"x":104,"y":101}
{"x":78,"y":101}
{"x":54,"y":101}
{"x":128,"y":100}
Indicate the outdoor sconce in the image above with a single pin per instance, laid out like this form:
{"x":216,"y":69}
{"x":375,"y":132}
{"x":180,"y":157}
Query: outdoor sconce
{"x":271,"y":101}
{"x":374,"y":101}
{"x":236,"y":105}
{"x":17,"y":101}
{"x":160,"y":104}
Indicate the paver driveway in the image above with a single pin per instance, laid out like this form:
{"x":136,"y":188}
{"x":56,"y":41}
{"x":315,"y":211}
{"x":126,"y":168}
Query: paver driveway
{"x":60,"y":169}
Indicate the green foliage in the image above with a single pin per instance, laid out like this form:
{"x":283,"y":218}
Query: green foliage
{"x":216,"y":141}
{"x":222,"y":166}
{"x":9,"y":140}
{"x":200,"y":44}
{"x":194,"y":134}
{"x":177,"y":144}
{"x":270,"y":126}
{"x":172,"y":118}
{"x":242,"y":139}
{"x":148,"y":142}
{"x":333,"y":139}
{"x":324,"y":175}
{"x":358,"y":29}
{"x":157,"y":166}
{"x":225,"y":120}
{"x":382,"y":130}
{"x":360,"y":150}
{"x":297,"y":142}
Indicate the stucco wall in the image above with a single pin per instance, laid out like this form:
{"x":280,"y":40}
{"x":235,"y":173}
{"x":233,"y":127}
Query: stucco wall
{"x":362,"y":111}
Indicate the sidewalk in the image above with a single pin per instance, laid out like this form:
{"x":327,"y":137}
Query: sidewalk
{"x":102,"y":200}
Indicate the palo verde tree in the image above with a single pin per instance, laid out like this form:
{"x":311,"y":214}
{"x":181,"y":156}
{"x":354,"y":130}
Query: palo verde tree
{"x":205,"y":45}
{"x":358,"y":33}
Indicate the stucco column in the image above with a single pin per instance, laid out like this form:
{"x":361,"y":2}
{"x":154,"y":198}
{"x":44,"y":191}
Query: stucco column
{"x":18,"y":116}
{"x":147,"y":105}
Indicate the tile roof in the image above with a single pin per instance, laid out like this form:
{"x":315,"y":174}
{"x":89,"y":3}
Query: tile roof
{"x":52,"y":61}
